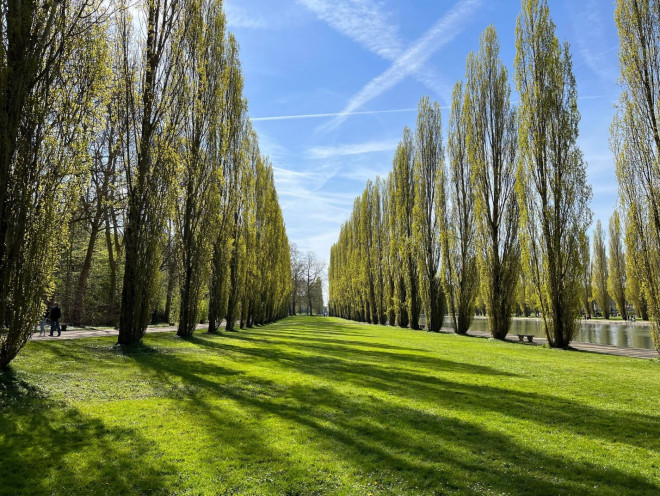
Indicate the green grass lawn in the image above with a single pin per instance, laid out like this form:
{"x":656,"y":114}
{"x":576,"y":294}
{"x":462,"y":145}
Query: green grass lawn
{"x":325,"y":406}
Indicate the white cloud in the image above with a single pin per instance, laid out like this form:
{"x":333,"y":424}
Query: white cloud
{"x":324,"y":152}
{"x":413,"y":59}
{"x":333,"y":114}
{"x":592,"y":38}
{"x":239,"y":17}
{"x":364,"y":21}
{"x":362,"y":174}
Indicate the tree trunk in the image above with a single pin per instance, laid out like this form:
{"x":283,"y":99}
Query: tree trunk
{"x":111,"y":314}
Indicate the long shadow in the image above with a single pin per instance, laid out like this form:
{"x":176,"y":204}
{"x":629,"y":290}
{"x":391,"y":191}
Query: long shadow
{"x":355,"y":350}
{"x":42,"y":440}
{"x":558,"y":413}
{"x":409,"y":449}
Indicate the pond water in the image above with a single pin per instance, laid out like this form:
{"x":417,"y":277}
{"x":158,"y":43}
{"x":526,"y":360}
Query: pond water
{"x":623,"y":335}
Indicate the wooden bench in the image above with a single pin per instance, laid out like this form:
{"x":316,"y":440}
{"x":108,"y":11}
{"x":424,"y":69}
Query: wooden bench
{"x":530,"y":337}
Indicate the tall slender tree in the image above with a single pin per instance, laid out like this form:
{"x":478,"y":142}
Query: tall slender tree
{"x":229,"y":136}
{"x":599,"y":272}
{"x":616,"y":281}
{"x":635,"y":141}
{"x":202,"y":65}
{"x":53,"y":66}
{"x":585,"y":275}
{"x":429,"y":210}
{"x":460,"y":262}
{"x":149,"y":131}
{"x":491,"y":145}
{"x":552,"y":175}
{"x":404,"y":197}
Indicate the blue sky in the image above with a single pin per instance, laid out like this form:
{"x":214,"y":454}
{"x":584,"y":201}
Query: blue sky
{"x":332,"y":83}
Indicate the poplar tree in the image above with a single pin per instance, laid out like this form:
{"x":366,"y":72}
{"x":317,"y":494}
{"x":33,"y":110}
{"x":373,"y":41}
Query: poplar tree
{"x":460,"y":262}
{"x":599,"y":272}
{"x":367,"y":264}
{"x":389,"y":261}
{"x":491,"y":145}
{"x":201,"y":62}
{"x":229,"y":136}
{"x":395,"y":253}
{"x":552,"y":174}
{"x":404,"y":198}
{"x":616,"y":281}
{"x":428,"y":211}
{"x":378,"y":251}
{"x":635,"y":141}
{"x":53,"y":68}
{"x":585,"y":275}
{"x":150,"y":120}
{"x":634,"y":292}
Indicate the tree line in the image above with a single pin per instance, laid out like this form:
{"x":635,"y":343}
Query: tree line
{"x":132,"y":184}
{"x":496,"y":221}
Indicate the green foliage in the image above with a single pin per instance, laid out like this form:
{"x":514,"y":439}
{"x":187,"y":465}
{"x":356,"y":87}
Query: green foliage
{"x":429,"y":210}
{"x":150,"y":173}
{"x":43,"y":159}
{"x":635,"y":142}
{"x":552,"y":175}
{"x":600,"y":272}
{"x":491,"y":147}
{"x":616,"y":280}
{"x":458,"y":234}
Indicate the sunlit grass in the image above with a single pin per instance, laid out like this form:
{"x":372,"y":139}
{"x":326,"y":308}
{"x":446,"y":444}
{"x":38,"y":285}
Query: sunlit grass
{"x":325,"y":406}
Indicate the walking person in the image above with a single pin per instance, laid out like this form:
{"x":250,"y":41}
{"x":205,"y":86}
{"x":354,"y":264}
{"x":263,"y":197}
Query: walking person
{"x":42,"y":324}
{"x":55,"y":315}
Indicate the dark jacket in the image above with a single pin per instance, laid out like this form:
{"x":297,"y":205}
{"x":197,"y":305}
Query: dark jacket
{"x":55,"y":313}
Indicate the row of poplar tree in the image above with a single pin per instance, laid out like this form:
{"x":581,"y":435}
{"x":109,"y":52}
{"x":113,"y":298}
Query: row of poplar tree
{"x":124,"y":130}
{"x":501,"y":215}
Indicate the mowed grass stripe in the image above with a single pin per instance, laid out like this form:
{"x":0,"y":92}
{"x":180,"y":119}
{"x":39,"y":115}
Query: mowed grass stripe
{"x":313,"y":405}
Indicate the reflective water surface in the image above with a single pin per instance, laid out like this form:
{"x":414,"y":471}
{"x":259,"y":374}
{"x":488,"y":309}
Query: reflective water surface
{"x":623,"y":335}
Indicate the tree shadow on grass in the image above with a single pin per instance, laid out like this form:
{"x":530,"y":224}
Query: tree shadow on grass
{"x":50,"y":447}
{"x":417,"y":381}
{"x":408,"y":447}
{"x":355,"y":350}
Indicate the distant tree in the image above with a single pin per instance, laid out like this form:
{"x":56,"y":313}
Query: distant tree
{"x":460,"y":261}
{"x":297,"y":277}
{"x":552,"y":175}
{"x":635,"y":141}
{"x":317,"y":296}
{"x":634,"y":292}
{"x":491,"y":145}
{"x":616,"y":281}
{"x":599,"y":272}
{"x":585,"y":275}
{"x":313,"y":271}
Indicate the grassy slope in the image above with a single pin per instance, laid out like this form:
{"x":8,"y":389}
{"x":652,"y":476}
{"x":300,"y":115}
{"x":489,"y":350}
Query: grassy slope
{"x":317,"y":406}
